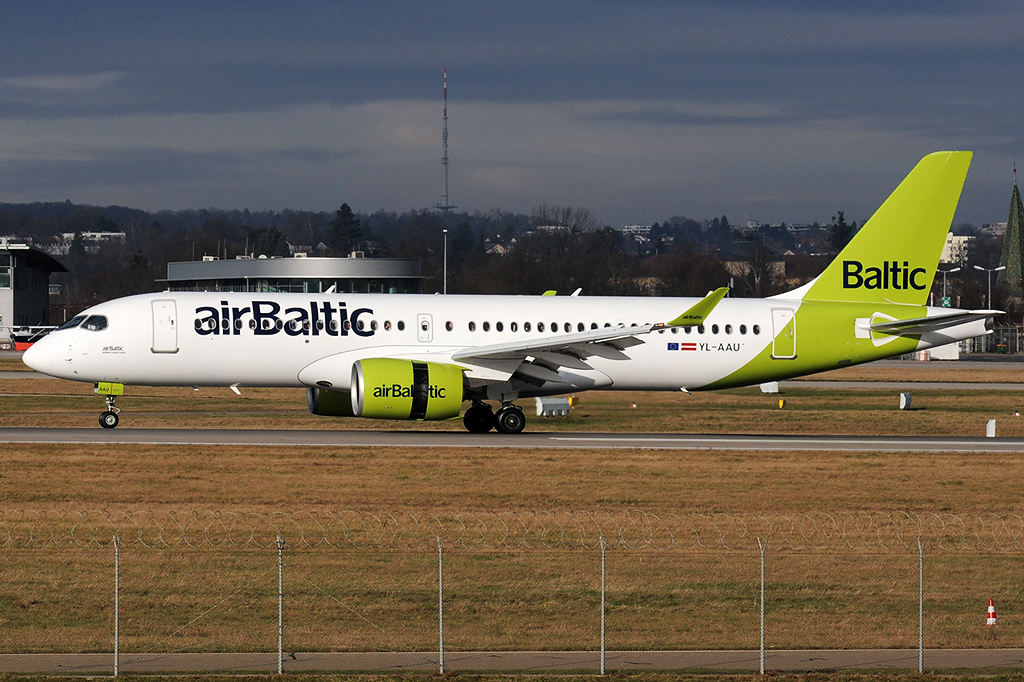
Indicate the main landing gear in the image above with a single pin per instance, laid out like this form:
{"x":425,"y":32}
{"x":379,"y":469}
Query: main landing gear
{"x":480,"y":418}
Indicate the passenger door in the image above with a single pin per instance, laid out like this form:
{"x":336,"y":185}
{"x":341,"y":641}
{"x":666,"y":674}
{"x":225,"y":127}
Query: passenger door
{"x":783,"y":334}
{"x":165,"y":326}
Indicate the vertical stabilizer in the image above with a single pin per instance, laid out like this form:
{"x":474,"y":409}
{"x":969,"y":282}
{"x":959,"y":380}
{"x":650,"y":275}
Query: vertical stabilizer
{"x":895,"y":255}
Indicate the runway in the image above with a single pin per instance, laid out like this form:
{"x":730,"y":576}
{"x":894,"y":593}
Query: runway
{"x":528,"y":661}
{"x":551,"y":440}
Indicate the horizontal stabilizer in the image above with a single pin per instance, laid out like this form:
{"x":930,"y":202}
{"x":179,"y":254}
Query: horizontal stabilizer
{"x":921,"y":325}
{"x":695,"y":316}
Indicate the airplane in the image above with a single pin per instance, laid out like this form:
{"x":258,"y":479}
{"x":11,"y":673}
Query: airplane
{"x":420,"y":357}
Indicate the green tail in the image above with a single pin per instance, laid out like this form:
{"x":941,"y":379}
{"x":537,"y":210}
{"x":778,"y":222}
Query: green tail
{"x":895,"y":255}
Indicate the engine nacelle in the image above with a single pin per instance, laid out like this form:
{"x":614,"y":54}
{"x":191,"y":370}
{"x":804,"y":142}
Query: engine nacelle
{"x":386,"y":388}
{"x":329,"y":403}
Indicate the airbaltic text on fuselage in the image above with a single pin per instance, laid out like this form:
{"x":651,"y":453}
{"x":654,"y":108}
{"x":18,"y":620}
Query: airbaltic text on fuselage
{"x":890,"y":275}
{"x":266,"y":318}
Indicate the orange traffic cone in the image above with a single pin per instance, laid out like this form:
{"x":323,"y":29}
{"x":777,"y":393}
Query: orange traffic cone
{"x":991,"y":613}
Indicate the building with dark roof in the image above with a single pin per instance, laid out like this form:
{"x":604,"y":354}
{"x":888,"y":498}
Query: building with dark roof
{"x":24,"y":285}
{"x":297,"y":275}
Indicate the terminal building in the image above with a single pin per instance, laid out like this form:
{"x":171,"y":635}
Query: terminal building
{"x":297,"y":275}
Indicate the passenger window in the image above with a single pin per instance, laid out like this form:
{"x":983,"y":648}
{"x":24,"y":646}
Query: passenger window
{"x":700,"y":329}
{"x":487,"y":326}
{"x":320,"y":324}
{"x":540,"y":326}
{"x":688,"y":330}
{"x":526,"y":326}
{"x":360,"y":324}
{"x":333,"y":325}
{"x":757,"y":329}
{"x":675,"y":330}
{"x":714,"y":329}
{"x":513,"y":326}
{"x":252,"y":324}
{"x":472,"y":326}
{"x":449,"y":325}
{"x":224,"y":324}
{"x":498,"y":326}
{"x":743,"y":329}
{"x":238,"y":324}
{"x":593,"y":325}
{"x":347,"y":325}
{"x":373,"y":325}
{"x":279,"y":324}
{"x":401,"y":326}
{"x":387,"y":325}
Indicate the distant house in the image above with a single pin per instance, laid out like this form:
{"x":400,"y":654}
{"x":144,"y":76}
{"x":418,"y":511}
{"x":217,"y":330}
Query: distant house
{"x":956,"y":248}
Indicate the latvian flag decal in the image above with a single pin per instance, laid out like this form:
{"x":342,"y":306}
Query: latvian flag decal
{"x":682,"y":346}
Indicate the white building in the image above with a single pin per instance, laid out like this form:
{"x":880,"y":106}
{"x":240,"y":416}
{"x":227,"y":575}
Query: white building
{"x":956,"y":249}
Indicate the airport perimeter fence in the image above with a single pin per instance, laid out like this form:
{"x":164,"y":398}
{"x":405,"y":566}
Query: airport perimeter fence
{"x":112,"y":592}
{"x":1005,"y":338}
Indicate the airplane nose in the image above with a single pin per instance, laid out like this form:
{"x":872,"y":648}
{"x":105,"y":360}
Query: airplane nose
{"x":44,"y":356}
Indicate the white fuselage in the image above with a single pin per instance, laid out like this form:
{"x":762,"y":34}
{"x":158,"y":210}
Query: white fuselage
{"x":268,"y":339}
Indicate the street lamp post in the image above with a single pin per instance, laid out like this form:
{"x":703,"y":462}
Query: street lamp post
{"x":445,"y":261}
{"x":944,"y":273}
{"x":988,"y":301}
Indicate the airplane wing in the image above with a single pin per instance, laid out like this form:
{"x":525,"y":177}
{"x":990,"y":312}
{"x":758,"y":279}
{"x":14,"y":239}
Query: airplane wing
{"x":921,"y":325}
{"x":537,"y":360}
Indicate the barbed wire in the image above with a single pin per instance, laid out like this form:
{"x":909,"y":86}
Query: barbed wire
{"x":626,"y":529}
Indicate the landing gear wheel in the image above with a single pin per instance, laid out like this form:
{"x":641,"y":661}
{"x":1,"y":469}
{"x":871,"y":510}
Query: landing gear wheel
{"x":108,"y":420}
{"x":510,"y":419}
{"x":479,"y":418}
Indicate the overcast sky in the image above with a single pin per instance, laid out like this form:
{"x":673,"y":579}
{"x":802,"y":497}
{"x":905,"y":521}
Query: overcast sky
{"x":780,"y":111}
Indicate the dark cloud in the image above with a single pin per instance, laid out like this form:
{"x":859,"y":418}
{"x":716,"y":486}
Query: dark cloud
{"x":889,"y":81}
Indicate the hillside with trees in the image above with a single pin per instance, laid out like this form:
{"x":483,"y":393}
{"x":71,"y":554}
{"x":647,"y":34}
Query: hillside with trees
{"x":555,"y":247}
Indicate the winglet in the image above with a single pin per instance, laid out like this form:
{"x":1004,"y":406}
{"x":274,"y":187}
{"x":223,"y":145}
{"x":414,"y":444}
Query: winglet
{"x":696,"y":315}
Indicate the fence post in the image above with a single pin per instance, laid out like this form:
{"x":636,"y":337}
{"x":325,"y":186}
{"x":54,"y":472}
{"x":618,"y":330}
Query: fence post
{"x":280,"y":605}
{"x":603,"y":546}
{"x":440,"y":605}
{"x":117,"y":605}
{"x":762,"y":546}
{"x":920,"y":606}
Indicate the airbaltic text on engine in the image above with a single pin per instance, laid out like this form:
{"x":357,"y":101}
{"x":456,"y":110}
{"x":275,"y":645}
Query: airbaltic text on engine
{"x":399,"y":391}
{"x":266,"y":318}
{"x":891,"y":273}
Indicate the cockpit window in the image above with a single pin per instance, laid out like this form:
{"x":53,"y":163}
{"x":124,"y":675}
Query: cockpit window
{"x":95,"y":323}
{"x":72,"y":323}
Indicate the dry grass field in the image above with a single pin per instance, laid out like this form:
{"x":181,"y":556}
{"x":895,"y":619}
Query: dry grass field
{"x":224,"y":600}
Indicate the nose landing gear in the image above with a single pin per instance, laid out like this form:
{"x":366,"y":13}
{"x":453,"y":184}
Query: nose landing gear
{"x":110,"y":391}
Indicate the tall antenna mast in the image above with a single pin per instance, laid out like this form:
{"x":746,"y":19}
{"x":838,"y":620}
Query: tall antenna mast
{"x":444,"y":205}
